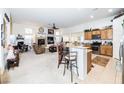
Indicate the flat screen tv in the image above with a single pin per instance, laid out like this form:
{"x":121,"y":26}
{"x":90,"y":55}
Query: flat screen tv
{"x":50,"y":40}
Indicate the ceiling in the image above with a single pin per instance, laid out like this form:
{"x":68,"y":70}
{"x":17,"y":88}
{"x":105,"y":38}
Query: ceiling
{"x":62,"y":17}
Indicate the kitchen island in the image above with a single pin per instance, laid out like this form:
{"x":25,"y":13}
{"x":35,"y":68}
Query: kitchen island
{"x":83,"y":60}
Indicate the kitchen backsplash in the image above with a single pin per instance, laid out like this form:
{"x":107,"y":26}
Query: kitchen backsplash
{"x":102,"y":41}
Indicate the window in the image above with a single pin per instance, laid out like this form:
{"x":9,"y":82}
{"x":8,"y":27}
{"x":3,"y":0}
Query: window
{"x":28,"y":40}
{"x":28,"y":31}
{"x":57,"y":33}
{"x":28,"y":36}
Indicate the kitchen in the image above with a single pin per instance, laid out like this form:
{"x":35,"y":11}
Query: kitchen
{"x":99,"y":40}
{"x":94,"y":48}
{"x":102,"y":37}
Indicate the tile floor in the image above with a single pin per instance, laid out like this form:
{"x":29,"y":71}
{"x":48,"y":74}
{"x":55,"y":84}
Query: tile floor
{"x":36,"y":69}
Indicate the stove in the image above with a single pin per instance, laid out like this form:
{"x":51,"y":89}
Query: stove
{"x":96,"y":47}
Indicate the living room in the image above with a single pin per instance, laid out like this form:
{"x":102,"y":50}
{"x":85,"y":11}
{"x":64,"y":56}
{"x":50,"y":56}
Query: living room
{"x":37,"y":39}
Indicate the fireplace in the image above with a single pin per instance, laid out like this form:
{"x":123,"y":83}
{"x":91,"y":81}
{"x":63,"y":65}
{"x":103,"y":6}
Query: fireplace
{"x":41,"y":41}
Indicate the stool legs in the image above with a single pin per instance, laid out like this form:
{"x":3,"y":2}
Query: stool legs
{"x":71,"y":65}
{"x":64,"y":69}
{"x":71,"y":72}
{"x":77,"y":68}
{"x":66,"y":64}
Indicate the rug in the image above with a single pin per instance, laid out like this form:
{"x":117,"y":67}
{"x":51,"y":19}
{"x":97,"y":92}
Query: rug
{"x":100,"y":61}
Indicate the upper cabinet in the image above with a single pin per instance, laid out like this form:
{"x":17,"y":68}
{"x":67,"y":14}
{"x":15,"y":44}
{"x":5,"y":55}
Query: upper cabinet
{"x":109,"y":34}
{"x":96,"y":32}
{"x":103,"y":34}
{"x":106,"y":34}
{"x":88,"y":35}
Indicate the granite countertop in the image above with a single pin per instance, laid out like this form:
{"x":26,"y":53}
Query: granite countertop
{"x":89,"y":50}
{"x":81,"y":47}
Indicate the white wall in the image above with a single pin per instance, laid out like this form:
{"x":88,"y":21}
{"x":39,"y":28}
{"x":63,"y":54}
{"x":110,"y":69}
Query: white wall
{"x":19,"y":28}
{"x":93,"y":24}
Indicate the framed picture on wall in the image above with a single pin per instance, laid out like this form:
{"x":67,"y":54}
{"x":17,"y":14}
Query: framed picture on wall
{"x":2,"y":36}
{"x":50,"y":40}
{"x":51,"y":31}
{"x":3,"y":33}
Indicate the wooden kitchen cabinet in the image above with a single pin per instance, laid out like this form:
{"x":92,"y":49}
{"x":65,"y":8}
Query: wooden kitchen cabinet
{"x":106,"y":34}
{"x":96,"y":32}
{"x":88,"y":35}
{"x":109,"y":50}
{"x":109,"y":34}
{"x":103,"y":34}
{"x":89,"y":61}
{"x":103,"y":50}
{"x":106,"y":50}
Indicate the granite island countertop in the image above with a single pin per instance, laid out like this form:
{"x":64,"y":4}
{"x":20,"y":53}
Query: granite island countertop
{"x":81,"y":47}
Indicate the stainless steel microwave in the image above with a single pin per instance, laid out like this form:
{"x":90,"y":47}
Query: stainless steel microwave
{"x":96,"y":36}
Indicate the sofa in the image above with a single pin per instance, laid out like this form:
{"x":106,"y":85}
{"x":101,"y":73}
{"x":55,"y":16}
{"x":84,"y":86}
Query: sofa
{"x":38,"y":49}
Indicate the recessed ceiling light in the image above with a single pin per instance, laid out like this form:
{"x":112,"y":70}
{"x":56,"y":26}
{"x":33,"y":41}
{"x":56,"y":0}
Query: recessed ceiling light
{"x":110,"y":10}
{"x":91,"y":16}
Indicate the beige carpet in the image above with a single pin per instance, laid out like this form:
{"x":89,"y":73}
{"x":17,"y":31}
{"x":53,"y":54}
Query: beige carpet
{"x":42,"y":69}
{"x":100,"y":61}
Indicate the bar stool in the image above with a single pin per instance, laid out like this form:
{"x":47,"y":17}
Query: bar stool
{"x":62,"y":52}
{"x":71,"y":58}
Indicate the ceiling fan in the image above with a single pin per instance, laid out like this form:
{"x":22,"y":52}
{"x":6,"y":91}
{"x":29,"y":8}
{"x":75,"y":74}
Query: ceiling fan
{"x":54,"y":26}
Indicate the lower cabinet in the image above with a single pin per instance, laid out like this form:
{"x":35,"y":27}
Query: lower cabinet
{"x":106,"y":50}
{"x":89,"y":61}
{"x":88,"y":35}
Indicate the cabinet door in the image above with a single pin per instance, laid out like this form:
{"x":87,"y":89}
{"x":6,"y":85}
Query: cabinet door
{"x":109,"y":34}
{"x":109,"y":50}
{"x":97,"y":32}
{"x":94,"y":32}
{"x":103,"y":34}
{"x":89,"y":35}
{"x":103,"y":50}
{"x":85,"y":35}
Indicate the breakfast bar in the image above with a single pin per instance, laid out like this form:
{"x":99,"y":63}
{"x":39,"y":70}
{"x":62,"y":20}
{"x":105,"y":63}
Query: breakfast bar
{"x":83,"y":60}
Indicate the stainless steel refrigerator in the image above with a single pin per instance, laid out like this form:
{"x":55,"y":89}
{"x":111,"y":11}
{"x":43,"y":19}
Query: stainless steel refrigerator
{"x":121,"y":57}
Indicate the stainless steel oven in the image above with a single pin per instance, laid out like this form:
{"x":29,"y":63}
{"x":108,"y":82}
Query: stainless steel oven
{"x":96,"y":47}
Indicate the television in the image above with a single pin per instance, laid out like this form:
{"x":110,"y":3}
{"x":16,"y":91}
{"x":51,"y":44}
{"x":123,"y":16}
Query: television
{"x":50,"y":40}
